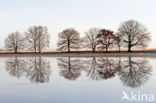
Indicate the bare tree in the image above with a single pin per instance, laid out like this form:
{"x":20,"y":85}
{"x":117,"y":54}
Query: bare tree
{"x":68,"y":39}
{"x":134,"y":34}
{"x":37,"y":38}
{"x":118,"y":41}
{"x":14,"y":41}
{"x":90,"y":39}
{"x":105,"y":39}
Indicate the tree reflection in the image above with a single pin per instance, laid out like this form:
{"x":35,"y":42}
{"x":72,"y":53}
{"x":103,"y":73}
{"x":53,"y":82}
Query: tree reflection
{"x":107,"y":68}
{"x":132,"y":72}
{"x":70,"y":68}
{"x":38,"y":70}
{"x":93,"y":69}
{"x":16,"y":66}
{"x":135,"y":72}
{"x":102,"y":68}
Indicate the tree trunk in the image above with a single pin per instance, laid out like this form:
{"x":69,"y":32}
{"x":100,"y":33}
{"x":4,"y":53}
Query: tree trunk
{"x":39,"y":44}
{"x":35,"y":49}
{"x":68,"y":45}
{"x":106,"y":48}
{"x":15,"y":50}
{"x":93,"y":50}
{"x":119,"y":48}
{"x":129,"y":43}
{"x":39,"y":50}
{"x":129,"y":48}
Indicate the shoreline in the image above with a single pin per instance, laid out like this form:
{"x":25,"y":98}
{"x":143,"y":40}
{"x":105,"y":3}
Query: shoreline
{"x":81,"y":54}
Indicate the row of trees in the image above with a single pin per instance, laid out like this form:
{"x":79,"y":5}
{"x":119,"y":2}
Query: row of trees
{"x":36,"y":38}
{"x":130,"y":34}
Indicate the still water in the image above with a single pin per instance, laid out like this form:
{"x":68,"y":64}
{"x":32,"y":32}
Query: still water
{"x":77,"y":79}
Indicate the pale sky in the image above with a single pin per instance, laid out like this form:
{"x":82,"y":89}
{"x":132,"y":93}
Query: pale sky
{"x":18,"y":15}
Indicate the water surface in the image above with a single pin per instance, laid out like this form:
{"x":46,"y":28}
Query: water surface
{"x":75,"y":79}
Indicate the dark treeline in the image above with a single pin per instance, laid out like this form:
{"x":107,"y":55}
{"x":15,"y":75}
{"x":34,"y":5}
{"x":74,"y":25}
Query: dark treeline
{"x":131,"y":34}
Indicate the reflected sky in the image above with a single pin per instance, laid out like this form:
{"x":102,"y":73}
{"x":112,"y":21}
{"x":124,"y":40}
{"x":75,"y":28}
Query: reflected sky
{"x":74,"y":79}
